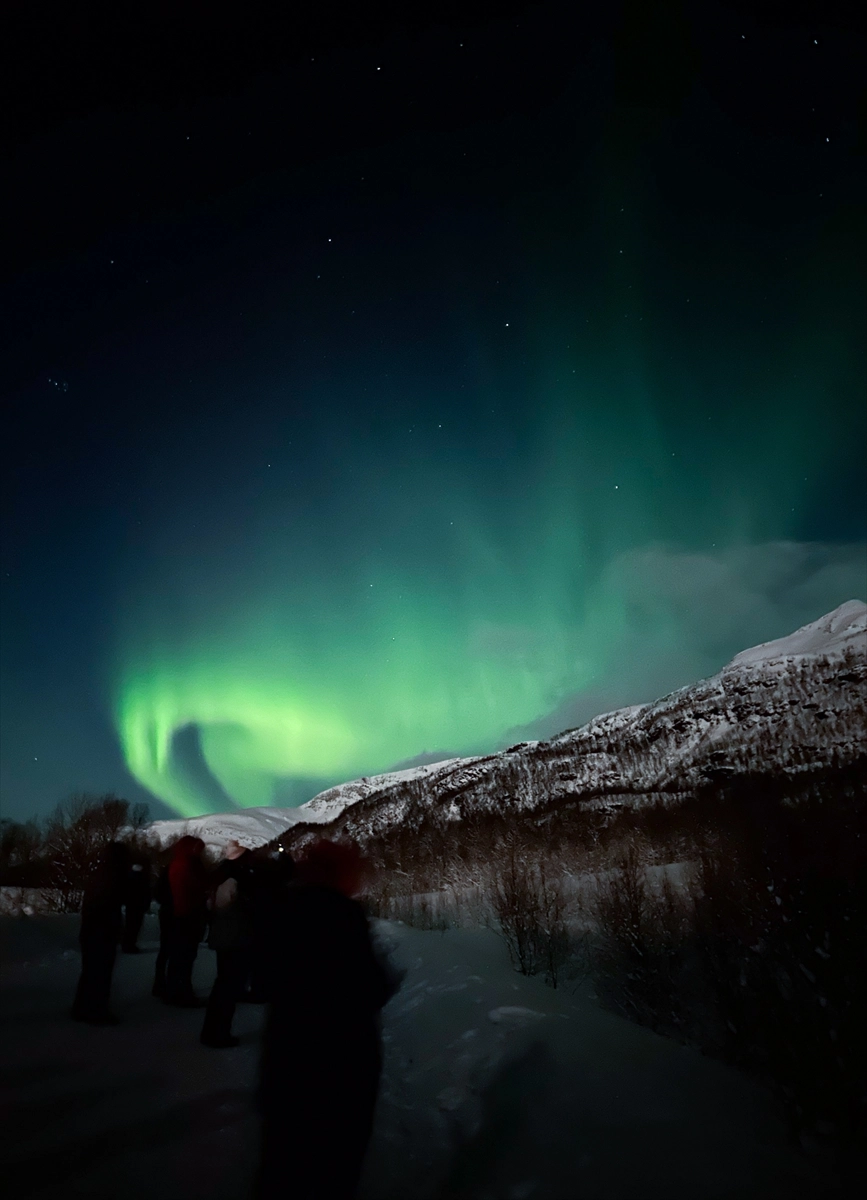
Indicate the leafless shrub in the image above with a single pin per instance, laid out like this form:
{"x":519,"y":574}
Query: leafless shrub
{"x":390,"y":898}
{"x":531,"y":902}
{"x":622,"y":905}
{"x":758,"y":956}
{"x":20,"y":846}
{"x":74,"y":835}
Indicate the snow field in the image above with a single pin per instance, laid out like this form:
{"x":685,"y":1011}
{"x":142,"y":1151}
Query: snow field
{"x":495,"y":1087}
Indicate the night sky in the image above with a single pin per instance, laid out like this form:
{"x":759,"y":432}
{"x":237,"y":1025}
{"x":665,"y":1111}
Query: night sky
{"x":417,"y":383}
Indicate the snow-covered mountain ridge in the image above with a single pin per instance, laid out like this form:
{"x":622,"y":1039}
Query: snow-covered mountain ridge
{"x":790,"y":705}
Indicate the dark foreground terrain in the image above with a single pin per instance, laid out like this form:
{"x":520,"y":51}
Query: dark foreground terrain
{"x":495,"y":1087}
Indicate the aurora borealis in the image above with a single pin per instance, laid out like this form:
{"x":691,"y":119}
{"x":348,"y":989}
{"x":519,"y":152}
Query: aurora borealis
{"x":449,"y":420}
{"x":462,"y":586}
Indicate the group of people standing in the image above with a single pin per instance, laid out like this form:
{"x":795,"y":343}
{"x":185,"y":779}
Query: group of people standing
{"x":232,"y":903}
{"x":288,"y":934}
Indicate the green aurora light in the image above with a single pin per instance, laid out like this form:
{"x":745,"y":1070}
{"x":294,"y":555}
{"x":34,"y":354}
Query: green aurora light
{"x":381,"y":653}
{"x":531,"y":387}
{"x":446,"y":592}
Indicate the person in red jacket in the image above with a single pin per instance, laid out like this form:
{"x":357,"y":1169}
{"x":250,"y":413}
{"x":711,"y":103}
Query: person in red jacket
{"x":188,"y":884}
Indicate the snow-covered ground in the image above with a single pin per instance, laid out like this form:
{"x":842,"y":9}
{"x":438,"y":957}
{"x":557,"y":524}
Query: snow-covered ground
{"x":28,"y":902}
{"x":495,"y":1087}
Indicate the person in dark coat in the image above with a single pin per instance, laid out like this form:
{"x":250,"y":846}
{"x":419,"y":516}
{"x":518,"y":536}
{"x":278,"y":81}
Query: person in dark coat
{"x":321,"y":1055}
{"x":274,"y":869}
{"x":229,"y":934}
{"x":137,"y":900}
{"x":101,"y":926}
{"x":188,"y":884}
{"x":163,"y":897}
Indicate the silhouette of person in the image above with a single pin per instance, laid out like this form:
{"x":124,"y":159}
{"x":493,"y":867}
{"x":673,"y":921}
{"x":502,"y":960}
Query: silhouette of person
{"x":101,"y":926}
{"x":188,"y":884}
{"x":274,"y":869}
{"x":321,"y":1054}
{"x":137,"y":901}
{"x":230,"y":935}
{"x":163,"y":897}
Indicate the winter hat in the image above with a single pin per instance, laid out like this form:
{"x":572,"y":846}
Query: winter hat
{"x":336,"y":864}
{"x":187,"y":847}
{"x":234,"y":850}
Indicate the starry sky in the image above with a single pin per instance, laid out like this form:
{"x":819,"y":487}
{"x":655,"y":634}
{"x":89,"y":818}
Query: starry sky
{"x":406,"y":385}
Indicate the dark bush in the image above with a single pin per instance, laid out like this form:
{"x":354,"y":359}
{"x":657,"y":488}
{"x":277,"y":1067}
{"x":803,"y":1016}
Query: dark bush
{"x":766,"y":965}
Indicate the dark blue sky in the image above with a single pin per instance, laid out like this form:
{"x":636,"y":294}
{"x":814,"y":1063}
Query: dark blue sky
{"x":384,"y":388}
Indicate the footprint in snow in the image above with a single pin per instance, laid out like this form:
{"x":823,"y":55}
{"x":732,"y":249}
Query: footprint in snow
{"x":512,"y":1012}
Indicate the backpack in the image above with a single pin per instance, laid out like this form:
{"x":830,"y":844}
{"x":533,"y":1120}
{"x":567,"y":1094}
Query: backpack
{"x":226,"y":894}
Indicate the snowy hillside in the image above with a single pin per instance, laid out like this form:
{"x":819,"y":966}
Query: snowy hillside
{"x":790,"y":705}
{"x":253,"y":827}
{"x":843,"y":629}
{"x":330,"y":804}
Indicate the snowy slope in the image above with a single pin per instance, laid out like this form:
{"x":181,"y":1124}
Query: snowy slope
{"x":330,"y":804}
{"x":253,"y":827}
{"x":792,"y":705}
{"x":844,"y":628}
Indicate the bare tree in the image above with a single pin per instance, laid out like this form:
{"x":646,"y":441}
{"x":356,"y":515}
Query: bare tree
{"x":20,"y":846}
{"x":75,"y":833}
{"x":531,"y":902}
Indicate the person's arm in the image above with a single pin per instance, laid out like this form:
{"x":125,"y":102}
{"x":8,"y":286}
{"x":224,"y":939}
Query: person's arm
{"x":381,"y":979}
